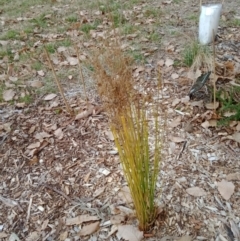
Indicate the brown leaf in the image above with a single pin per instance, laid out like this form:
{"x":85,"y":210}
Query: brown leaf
{"x":58,"y":133}
{"x":3,"y":235}
{"x":226,"y":189}
{"x":41,"y":135}
{"x":33,"y":236}
{"x":41,"y":73}
{"x":212,"y":106}
{"x":81,"y":219}
{"x":175,"y":122}
{"x":85,"y":113}
{"x":110,"y":135}
{"x":72,"y":61}
{"x":6,"y":126}
{"x":169,"y":62}
{"x":89,"y":229}
{"x":185,"y":238}
{"x":125,"y":194}
{"x":99,"y":191}
{"x":174,"y":76}
{"x":233,"y":176}
{"x":50,"y":96}
{"x":175,"y":102}
{"x":129,"y":232}
{"x":34,"y":145}
{"x":36,"y":84}
{"x":196,"y":191}
{"x":236,"y":137}
{"x":63,"y":236}
{"x":176,"y":139}
{"x":8,"y":94}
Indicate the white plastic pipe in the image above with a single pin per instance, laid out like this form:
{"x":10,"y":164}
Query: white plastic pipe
{"x":208,"y":22}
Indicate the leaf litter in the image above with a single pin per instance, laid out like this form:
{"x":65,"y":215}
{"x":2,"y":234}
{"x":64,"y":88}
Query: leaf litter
{"x":51,"y":162}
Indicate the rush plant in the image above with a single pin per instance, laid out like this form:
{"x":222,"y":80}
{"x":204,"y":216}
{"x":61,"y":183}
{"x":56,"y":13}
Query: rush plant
{"x":135,"y":123}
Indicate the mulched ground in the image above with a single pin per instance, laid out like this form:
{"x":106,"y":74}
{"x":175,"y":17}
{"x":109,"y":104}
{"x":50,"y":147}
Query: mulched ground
{"x":55,"y":167}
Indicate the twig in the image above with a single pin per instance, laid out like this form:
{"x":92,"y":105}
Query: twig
{"x":214,"y":74}
{"x":60,"y":193}
{"x":69,"y":109}
{"x":29,"y":209}
{"x":183,"y":148}
{"x":82,"y":205}
{"x":81,"y":74}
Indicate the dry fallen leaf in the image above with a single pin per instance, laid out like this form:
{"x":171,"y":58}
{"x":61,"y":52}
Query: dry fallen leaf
{"x":41,"y":73}
{"x":175,"y":122}
{"x":185,"y":238}
{"x":236,"y":137}
{"x":99,"y":191}
{"x":175,"y":102}
{"x":89,"y":229}
{"x":3,"y":235}
{"x":72,"y":60}
{"x":36,"y":84}
{"x":196,"y":191}
{"x":34,"y":145}
{"x":110,"y":135}
{"x":8,"y":94}
{"x":13,"y":237}
{"x":226,"y":189}
{"x":41,"y":135}
{"x":129,"y":232}
{"x":233,"y":176}
{"x":6,"y":126}
{"x":33,"y":236}
{"x":58,"y":133}
{"x":50,"y":96}
{"x":81,"y":219}
{"x":125,"y":194}
{"x":85,"y":113}
{"x":212,"y":106}
{"x":174,"y":76}
{"x":63,"y":236}
{"x":176,"y":139}
{"x":169,"y":62}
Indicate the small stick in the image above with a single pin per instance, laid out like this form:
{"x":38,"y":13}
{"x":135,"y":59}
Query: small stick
{"x":183,"y":148}
{"x":29,"y":208}
{"x":81,"y":74}
{"x":214,"y":74}
{"x":69,"y":109}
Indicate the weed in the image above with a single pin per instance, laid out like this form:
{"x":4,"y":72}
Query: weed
{"x":66,"y":42}
{"x":2,"y":88}
{"x":11,"y":34}
{"x":7,"y":53}
{"x":72,"y":19}
{"x":37,"y":65}
{"x":137,"y":56}
{"x":40,"y":21}
{"x":196,"y":53}
{"x":118,"y":19}
{"x":27,"y":99}
{"x":128,"y":28}
{"x":151,"y":12}
{"x":193,"y":17}
{"x":177,"y":63}
{"x":87,"y":27}
{"x":51,"y":48}
{"x":154,"y":37}
{"x":229,"y":102}
{"x":28,"y":30}
{"x":235,"y":22}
